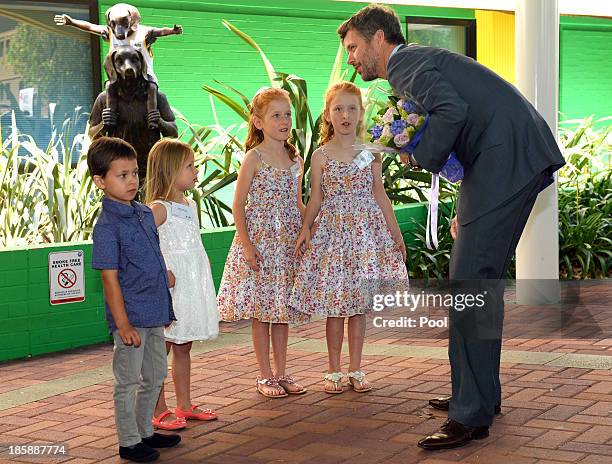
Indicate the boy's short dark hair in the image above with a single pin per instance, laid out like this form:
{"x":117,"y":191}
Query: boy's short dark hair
{"x":103,"y":151}
{"x":370,"y":19}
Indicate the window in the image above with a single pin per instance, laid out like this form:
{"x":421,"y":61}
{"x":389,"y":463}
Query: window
{"x":457,"y":35}
{"x":47,"y":73}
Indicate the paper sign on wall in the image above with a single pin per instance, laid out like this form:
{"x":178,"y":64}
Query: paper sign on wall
{"x":26,"y":100}
{"x":66,"y":277}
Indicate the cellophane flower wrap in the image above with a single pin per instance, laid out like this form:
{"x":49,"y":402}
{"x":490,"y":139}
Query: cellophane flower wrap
{"x":399,"y":126}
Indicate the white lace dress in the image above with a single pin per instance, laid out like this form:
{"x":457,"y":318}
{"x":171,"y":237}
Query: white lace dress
{"x":193,"y":296}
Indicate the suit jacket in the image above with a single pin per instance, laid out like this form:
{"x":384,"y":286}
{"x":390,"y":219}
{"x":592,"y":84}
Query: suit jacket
{"x":500,"y":139}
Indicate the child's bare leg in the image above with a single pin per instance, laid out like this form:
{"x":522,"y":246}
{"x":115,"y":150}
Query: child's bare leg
{"x":334,"y":333}
{"x":280,"y":339}
{"x":161,"y":405}
{"x":261,"y":343}
{"x":181,"y":375}
{"x":356,"y":337}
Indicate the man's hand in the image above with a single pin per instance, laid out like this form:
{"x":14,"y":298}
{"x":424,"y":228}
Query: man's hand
{"x":177,"y":29}
{"x":454,"y":227}
{"x":129,"y":335}
{"x":408,"y":160}
{"x":171,"y":279}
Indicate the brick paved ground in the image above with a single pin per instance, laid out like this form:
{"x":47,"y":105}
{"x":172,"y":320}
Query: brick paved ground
{"x":557,"y":403}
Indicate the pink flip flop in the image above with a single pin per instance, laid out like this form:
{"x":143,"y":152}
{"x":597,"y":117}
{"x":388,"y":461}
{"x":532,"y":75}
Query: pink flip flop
{"x":205,"y":415}
{"x":176,"y":424}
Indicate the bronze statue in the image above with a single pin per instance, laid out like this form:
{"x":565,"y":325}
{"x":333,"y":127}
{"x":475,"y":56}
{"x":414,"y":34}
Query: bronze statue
{"x":123,"y":28}
{"x":126,"y":69}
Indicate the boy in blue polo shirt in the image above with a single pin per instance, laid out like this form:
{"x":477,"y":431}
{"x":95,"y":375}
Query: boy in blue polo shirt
{"x":137,"y":299}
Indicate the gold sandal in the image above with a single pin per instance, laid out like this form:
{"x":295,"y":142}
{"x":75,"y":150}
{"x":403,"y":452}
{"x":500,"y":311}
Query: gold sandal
{"x":271,"y":382}
{"x":290,"y":381}
{"x":359,"y":376}
{"x":336,"y":379}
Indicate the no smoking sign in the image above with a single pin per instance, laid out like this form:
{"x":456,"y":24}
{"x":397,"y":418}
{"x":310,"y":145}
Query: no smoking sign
{"x":66,"y":277}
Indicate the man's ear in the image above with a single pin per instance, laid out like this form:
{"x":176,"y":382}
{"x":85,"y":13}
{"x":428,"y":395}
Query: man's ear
{"x":99,"y":182}
{"x":379,"y":37}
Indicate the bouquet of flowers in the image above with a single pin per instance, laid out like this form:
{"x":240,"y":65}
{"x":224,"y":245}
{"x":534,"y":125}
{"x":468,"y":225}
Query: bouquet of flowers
{"x":399,"y":128}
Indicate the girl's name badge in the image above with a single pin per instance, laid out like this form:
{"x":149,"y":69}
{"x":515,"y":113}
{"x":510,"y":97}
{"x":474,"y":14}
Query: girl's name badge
{"x":182,"y":211}
{"x":295,"y":170}
{"x":363,"y":159}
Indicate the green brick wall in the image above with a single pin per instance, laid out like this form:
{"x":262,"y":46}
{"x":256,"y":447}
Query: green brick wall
{"x":585,"y":67}
{"x":30,"y":325}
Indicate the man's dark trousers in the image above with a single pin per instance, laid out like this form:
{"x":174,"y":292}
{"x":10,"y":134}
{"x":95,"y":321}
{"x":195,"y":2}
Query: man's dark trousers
{"x":482,"y":253}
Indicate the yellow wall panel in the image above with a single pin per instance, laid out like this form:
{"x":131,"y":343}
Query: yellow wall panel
{"x":495,"y":42}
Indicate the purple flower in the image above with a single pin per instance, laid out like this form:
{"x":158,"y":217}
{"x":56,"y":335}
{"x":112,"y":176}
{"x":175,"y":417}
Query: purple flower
{"x":376,"y":131}
{"x":413,"y":119}
{"x":409,"y":106}
{"x":397,"y":127}
{"x":401,"y":139}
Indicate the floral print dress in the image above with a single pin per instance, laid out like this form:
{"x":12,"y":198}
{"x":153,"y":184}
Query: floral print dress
{"x":273,"y":223}
{"x":351,"y":252}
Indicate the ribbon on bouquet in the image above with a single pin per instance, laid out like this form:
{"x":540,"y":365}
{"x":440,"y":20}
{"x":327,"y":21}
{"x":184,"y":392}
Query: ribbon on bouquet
{"x":431,"y":235}
{"x":452,"y":171}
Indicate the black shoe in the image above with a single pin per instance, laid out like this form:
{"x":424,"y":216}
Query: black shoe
{"x":453,"y":434}
{"x":442,"y":403}
{"x":138,"y":453}
{"x":158,"y":440}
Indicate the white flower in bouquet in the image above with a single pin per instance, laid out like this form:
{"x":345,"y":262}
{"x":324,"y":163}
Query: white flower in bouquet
{"x":389,"y":115}
{"x":386,"y":136}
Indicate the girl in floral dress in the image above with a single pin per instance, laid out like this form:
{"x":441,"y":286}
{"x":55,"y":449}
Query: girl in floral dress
{"x":260,"y":267}
{"x":357,"y":241}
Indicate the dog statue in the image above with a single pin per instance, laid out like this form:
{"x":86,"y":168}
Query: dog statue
{"x":126,"y":69}
{"x":123,"y":28}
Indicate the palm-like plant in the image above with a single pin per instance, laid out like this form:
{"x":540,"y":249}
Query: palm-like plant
{"x":45,"y":198}
{"x":585,"y":200}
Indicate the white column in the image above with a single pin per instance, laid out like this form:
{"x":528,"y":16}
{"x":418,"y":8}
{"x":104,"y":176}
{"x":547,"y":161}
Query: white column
{"x":537,"y":77}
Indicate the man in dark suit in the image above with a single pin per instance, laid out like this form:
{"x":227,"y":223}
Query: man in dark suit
{"x":508,"y":153}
